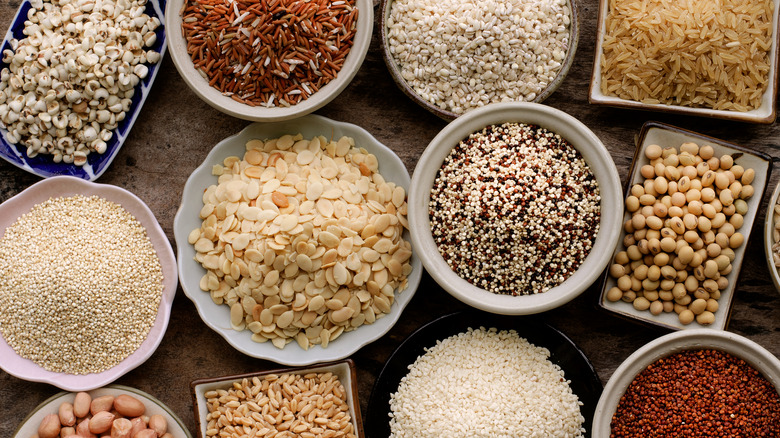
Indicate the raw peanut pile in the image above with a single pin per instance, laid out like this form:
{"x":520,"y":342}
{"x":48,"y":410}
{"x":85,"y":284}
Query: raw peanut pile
{"x":288,"y":405}
{"x":270,"y":53}
{"x":302,"y":239}
{"x":683,"y":231}
{"x":118,"y":417}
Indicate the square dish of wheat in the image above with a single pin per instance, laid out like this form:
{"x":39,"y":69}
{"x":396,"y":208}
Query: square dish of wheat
{"x":715,"y":58}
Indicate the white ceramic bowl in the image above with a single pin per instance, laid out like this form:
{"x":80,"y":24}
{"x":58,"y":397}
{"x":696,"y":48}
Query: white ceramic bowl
{"x":178,"y":50}
{"x":344,"y":370}
{"x":29,"y":426}
{"x":600,"y":163}
{"x":752,"y":353}
{"x":668,"y":136}
{"x":766,"y":113}
{"x":58,"y":186}
{"x":218,"y":316}
{"x":769,"y":240}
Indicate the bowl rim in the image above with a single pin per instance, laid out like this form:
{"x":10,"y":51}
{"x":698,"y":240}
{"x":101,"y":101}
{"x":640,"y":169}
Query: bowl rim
{"x":112,"y":387}
{"x":696,"y":339}
{"x":68,"y":186}
{"x":225,"y":104}
{"x":447,"y":115}
{"x":315,"y":354}
{"x":765,"y":114}
{"x":606,"y":281}
{"x":345,"y":366}
{"x":769,"y":228}
{"x":103,"y":162}
{"x":582,"y":139}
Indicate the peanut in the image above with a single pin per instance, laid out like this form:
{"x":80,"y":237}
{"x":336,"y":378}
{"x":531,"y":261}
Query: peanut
{"x":81,"y":404}
{"x":129,"y":406}
{"x":158,"y":424}
{"x":101,"y":404}
{"x":49,"y":427}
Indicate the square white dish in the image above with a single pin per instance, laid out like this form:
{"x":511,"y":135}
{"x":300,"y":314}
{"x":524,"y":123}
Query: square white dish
{"x":766,"y":113}
{"x":344,"y":370}
{"x":670,"y":136}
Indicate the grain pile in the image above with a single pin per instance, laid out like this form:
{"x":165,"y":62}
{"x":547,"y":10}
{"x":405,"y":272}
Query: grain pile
{"x":712,"y":54}
{"x":485,"y":383}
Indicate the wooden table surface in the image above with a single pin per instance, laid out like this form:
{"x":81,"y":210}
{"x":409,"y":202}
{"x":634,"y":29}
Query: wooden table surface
{"x":176,"y":130}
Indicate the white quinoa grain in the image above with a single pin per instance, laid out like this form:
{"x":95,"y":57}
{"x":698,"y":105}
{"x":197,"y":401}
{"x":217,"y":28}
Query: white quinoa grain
{"x":485,"y":383}
{"x":463,"y":54}
{"x":80,"y":284}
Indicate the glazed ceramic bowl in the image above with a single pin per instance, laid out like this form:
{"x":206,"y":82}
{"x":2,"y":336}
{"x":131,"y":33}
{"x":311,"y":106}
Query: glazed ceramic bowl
{"x":582,"y":139}
{"x":176,"y":427}
{"x":218,"y":316}
{"x":11,"y":209}
{"x":670,"y":136}
{"x":447,"y":114}
{"x":752,"y":353}
{"x":212,"y":96}
{"x":344,"y":370}
{"x":772,"y":216}
{"x":765,"y":113}
{"x":43,"y":165}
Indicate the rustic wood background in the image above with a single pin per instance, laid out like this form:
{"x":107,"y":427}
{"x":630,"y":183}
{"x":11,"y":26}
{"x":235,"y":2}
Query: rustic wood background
{"x":176,"y":130}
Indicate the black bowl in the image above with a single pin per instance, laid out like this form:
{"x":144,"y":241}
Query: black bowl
{"x":563,"y":352}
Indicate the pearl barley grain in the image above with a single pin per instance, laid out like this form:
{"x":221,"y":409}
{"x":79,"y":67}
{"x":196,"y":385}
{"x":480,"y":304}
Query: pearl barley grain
{"x":80,"y":284}
{"x":463,"y":54}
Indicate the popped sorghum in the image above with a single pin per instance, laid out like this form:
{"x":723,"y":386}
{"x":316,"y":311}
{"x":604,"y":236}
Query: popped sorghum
{"x":514,"y":209}
{"x":80,"y":284}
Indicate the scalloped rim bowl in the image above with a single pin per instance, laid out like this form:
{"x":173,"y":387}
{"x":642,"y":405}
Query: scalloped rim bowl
{"x":395,"y":72}
{"x":42,"y":165}
{"x":58,"y":186}
{"x":751,"y":352}
{"x":176,"y":427}
{"x":225,"y":104}
{"x":187,"y":219}
{"x":598,"y":159}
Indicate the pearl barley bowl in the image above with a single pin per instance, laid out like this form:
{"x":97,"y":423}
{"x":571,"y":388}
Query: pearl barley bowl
{"x":501,"y":241}
{"x":284,"y":271}
{"x":288,"y":58}
{"x":452,"y":56}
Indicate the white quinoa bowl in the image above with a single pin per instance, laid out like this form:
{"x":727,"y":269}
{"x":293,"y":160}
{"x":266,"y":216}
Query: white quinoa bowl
{"x":200,"y":85}
{"x":426,"y":17}
{"x":344,"y":370}
{"x":218,"y":317}
{"x":598,"y":160}
{"x":749,"y":351}
{"x":60,"y":186}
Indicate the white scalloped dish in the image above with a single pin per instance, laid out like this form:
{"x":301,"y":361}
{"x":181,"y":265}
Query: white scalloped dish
{"x":188,"y":218}
{"x":10,"y":210}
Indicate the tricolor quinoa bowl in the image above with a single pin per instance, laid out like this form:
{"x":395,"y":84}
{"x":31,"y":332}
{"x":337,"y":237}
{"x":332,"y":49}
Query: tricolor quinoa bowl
{"x":539,"y":252}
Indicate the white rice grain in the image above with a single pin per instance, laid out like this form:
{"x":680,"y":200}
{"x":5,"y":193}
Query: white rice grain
{"x":485,"y":383}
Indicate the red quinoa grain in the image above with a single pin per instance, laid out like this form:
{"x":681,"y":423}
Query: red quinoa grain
{"x":698,"y":393}
{"x":514,"y":209}
{"x":269,"y":52}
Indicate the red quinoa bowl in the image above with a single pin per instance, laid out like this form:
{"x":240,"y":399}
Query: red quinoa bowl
{"x":289,"y":46}
{"x":520,"y":219}
{"x":704,"y":365}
